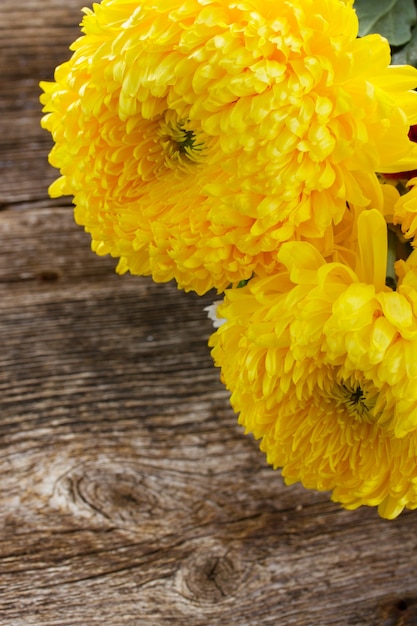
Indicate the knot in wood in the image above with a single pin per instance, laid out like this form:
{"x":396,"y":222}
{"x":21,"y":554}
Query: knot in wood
{"x":115,"y":494}
{"x":210,"y":578}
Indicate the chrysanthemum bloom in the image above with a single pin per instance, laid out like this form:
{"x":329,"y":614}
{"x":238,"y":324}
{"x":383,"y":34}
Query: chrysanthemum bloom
{"x":321,"y":362}
{"x":405,"y":212}
{"x":412,"y":133}
{"x":197,"y":135}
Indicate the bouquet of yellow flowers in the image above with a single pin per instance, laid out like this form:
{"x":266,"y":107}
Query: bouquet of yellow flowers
{"x":259,"y":148}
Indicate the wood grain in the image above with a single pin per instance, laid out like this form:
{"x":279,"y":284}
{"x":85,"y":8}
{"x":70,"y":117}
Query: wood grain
{"x":128,"y":493}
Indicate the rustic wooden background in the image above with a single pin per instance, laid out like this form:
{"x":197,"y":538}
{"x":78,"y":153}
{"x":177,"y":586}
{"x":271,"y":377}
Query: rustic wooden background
{"x":128,"y":494}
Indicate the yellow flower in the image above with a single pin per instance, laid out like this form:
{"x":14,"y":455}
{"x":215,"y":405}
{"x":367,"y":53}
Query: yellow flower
{"x":405,"y":211}
{"x":196,"y":136}
{"x":321,"y":362}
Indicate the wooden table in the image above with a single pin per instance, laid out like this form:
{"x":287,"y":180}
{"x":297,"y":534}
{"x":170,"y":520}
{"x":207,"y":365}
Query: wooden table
{"x":128,"y":494}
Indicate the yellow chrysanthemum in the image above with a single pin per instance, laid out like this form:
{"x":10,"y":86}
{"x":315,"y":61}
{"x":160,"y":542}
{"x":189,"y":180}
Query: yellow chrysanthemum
{"x":198,"y":135}
{"x":405,"y":211}
{"x":321,"y":361}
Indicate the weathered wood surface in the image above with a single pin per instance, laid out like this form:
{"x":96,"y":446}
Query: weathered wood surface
{"x":128,"y":494}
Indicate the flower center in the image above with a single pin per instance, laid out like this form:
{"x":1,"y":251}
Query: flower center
{"x":182,"y":145}
{"x":358,"y":401}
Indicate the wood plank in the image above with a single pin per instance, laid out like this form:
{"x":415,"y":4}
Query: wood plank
{"x":34,"y":38}
{"x":128,"y":494}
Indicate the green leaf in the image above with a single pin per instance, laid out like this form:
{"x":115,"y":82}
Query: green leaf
{"x":406,"y":55}
{"x":392,"y":19}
